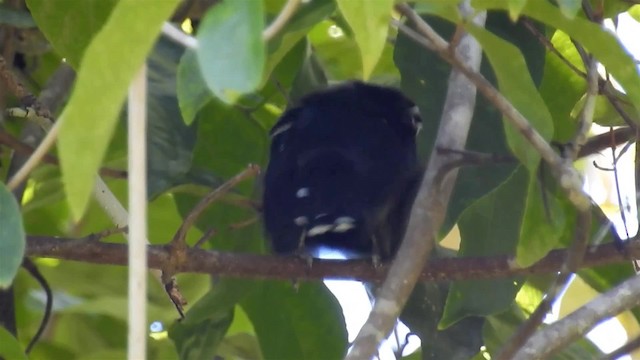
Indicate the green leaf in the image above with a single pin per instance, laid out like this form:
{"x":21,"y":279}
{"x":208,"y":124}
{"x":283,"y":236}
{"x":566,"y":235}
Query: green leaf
{"x":306,"y":323}
{"x":605,"y":114}
{"x":542,"y":225}
{"x":369,"y":21}
{"x":561,"y":86}
{"x":71,"y":25}
{"x":634,"y":12}
{"x":308,"y":15}
{"x":422,"y":313}
{"x":193,"y":93}
{"x":606,"y":47}
{"x":100,"y":90}
{"x":231,"y":52}
{"x":515,"y":82}
{"x":17,"y":18}
{"x":170,"y":140}
{"x":490,"y":226}
{"x":12,"y":237}
{"x":425,"y":80}
{"x":10,"y":347}
{"x":515,"y":7}
{"x":198,"y":335}
{"x":569,"y":8}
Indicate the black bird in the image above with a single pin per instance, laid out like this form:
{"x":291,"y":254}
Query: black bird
{"x":343,"y":172}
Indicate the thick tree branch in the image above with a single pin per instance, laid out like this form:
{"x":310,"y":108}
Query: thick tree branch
{"x":575,"y":325}
{"x":241,"y":265}
{"x":431,"y":202}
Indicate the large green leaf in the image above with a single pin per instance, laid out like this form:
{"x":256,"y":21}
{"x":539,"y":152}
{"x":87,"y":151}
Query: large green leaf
{"x":101,"y":87}
{"x":515,"y":82}
{"x":170,"y":142}
{"x":422,"y":313}
{"x":193,"y":93}
{"x":302,"y":323}
{"x":10,"y":347}
{"x":425,"y":80}
{"x":12,"y":237}
{"x":231,"y":50}
{"x":369,"y":21}
{"x":561,"y":86}
{"x":71,"y":25}
{"x":491,"y":226}
{"x":543,"y":223}
{"x":606,"y":48}
{"x":308,"y":15}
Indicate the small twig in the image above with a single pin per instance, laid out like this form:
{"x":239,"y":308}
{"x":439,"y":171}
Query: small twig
{"x":178,"y":241}
{"x":106,"y":233}
{"x":281,"y":20}
{"x":36,"y":157}
{"x":28,"y":265}
{"x":24,"y":149}
{"x":600,"y":142}
{"x":245,"y":223}
{"x":205,"y":237}
{"x":20,"y":91}
{"x":549,"y":46}
{"x":616,"y":181}
{"x":171,"y":287}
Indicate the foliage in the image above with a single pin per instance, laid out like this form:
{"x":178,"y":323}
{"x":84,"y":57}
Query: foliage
{"x":210,"y":110}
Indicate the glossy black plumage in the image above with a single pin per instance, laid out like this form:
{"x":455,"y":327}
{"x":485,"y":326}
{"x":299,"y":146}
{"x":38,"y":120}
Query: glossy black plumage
{"x":343,"y":171}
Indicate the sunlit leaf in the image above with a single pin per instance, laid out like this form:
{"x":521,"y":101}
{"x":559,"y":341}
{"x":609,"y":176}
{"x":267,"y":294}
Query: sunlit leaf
{"x":369,"y":21}
{"x":100,"y":90}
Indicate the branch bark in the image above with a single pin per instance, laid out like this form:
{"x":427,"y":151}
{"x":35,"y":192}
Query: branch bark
{"x":431,"y":203}
{"x":240,"y":265}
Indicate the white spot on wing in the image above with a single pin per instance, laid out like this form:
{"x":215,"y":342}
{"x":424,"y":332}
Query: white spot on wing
{"x":319,"y":229}
{"x":280,"y":129}
{"x":343,"y":224}
{"x":301,"y":221}
{"x":302,"y":193}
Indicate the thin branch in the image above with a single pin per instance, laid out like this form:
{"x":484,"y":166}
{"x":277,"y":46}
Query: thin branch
{"x":281,"y":20}
{"x":24,"y":149}
{"x":36,"y":157}
{"x":431,"y":202}
{"x":178,"y":241}
{"x":568,"y":177}
{"x":604,"y":141}
{"x":178,"y":245}
{"x":242,"y":265}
